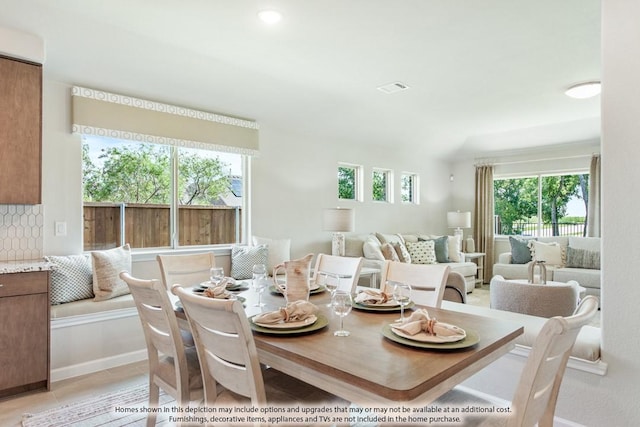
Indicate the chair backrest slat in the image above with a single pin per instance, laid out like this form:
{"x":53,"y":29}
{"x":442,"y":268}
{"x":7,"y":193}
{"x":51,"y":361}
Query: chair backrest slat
{"x":186,"y":270}
{"x":427,"y":280}
{"x":347,"y":268}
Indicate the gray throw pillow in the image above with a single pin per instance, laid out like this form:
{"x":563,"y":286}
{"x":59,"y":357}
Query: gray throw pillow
{"x":441,"y":245}
{"x":582,"y":258}
{"x":520,"y":251}
{"x":71,"y":278}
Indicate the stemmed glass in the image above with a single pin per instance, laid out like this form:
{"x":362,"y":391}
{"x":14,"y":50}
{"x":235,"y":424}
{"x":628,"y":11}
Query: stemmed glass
{"x":330,"y":281}
{"x":342,"y":305}
{"x":401,"y":295}
{"x":216,"y":274}
{"x":259,"y":282}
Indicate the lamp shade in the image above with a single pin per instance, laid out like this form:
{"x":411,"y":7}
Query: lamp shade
{"x":338,"y":220}
{"x":459,"y":219}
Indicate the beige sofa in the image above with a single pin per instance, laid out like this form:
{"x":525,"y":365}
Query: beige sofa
{"x":573,"y":264}
{"x":369,"y":246}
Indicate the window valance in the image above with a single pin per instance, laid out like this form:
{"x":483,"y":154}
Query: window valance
{"x":111,"y":115}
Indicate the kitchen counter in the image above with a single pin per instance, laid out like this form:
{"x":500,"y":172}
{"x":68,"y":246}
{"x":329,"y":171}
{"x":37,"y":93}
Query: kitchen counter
{"x":26,"y":266}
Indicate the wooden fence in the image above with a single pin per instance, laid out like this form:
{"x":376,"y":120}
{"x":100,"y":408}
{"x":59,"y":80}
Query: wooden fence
{"x":148,"y":226}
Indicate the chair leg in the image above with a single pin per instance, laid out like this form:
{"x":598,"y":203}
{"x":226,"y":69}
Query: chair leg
{"x":154,"y":398}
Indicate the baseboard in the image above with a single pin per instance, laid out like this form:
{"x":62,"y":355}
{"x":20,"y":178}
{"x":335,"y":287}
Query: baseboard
{"x":97,"y":365}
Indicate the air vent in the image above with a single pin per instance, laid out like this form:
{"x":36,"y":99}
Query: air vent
{"x":393,"y":87}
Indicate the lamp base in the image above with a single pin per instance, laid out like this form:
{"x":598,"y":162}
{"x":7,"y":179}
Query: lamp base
{"x":337,"y":244}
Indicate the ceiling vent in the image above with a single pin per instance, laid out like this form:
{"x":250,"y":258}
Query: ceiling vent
{"x":393,"y":87}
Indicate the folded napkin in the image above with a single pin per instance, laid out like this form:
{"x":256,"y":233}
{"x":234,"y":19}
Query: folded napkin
{"x":293,"y":312}
{"x":419,"y":321}
{"x":219,"y":291}
{"x":372,"y":296}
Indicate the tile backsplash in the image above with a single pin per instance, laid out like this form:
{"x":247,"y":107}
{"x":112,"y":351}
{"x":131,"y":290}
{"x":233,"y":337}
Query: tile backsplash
{"x":21,"y":232}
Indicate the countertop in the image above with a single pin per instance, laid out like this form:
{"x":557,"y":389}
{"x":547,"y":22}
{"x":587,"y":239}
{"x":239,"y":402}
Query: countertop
{"x":26,"y":266}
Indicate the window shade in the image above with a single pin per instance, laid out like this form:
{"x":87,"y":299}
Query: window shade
{"x":124,"y":117}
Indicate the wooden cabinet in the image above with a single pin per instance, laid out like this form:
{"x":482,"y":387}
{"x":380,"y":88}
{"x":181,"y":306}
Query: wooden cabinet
{"x":20,"y":132}
{"x":24,"y":332}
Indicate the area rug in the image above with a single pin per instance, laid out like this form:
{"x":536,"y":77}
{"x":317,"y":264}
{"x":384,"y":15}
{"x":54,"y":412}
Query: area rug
{"x":125,"y":407}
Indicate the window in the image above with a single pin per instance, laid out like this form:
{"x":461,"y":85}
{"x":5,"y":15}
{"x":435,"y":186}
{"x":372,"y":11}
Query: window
{"x":157,"y":196}
{"x":409,"y":188}
{"x":349,"y":182}
{"x":382,"y":185}
{"x":549,"y":205}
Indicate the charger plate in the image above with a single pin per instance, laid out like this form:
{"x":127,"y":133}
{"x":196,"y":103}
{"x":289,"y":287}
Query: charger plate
{"x":288,"y":325}
{"x":320,"y":323}
{"x":313,"y":291}
{"x":470,"y":340}
{"x":379,"y":307}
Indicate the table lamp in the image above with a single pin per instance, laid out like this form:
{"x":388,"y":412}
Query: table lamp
{"x":338,"y":220}
{"x":459,"y":220}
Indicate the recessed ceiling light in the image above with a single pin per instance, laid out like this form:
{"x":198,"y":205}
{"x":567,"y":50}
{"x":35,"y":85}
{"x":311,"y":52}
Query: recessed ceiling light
{"x":583,"y":90}
{"x":269,"y":16}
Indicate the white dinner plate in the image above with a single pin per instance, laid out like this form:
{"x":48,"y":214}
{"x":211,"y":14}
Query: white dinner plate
{"x":289,"y":325}
{"x":424,"y":337}
{"x":384,"y":304}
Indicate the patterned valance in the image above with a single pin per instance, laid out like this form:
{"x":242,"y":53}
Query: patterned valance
{"x":111,"y":115}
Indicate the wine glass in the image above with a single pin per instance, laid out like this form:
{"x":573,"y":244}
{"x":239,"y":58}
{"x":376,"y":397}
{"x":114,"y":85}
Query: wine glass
{"x":342,"y":304}
{"x":330,"y":281}
{"x":401,"y":295}
{"x":216,"y":274}
{"x":259,"y":282}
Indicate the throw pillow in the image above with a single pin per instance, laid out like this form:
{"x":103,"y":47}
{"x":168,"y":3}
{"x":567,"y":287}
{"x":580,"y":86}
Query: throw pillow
{"x":389,"y":252}
{"x":520,"y":250}
{"x":107,"y":266}
{"x":550,"y":253}
{"x":441,"y":245}
{"x":455,"y":248}
{"x":583,"y":258}
{"x":243,"y":258}
{"x":389,"y":238}
{"x":277,"y":250}
{"x":403,"y":253}
{"x":372,"y":248}
{"x":422,"y":252}
{"x":71,"y":278}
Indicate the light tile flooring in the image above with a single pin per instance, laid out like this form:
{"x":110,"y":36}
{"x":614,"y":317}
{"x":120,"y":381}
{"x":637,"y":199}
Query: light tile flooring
{"x":74,"y":389}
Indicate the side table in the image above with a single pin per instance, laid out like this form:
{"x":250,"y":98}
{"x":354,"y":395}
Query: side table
{"x":478,"y":258}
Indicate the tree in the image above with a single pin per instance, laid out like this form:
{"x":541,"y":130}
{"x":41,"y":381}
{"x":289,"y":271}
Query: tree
{"x":379,"y":186}
{"x":141,"y":173}
{"x":556,"y":193}
{"x":516,"y":200}
{"x":346,"y":183}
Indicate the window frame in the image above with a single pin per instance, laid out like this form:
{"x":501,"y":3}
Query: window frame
{"x":358,"y":187}
{"x":242,"y":228}
{"x":388,"y":184}
{"x":414,"y":188}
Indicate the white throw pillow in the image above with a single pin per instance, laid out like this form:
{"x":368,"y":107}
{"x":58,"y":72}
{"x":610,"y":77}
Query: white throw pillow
{"x":107,"y":266}
{"x":550,"y":253}
{"x":455,"y":247}
{"x":422,"y":252}
{"x":279,"y":250}
{"x":372,"y":248}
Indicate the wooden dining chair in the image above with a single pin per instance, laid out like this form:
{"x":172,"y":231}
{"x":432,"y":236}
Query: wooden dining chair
{"x":187,"y":270}
{"x":427,"y":280}
{"x":346,"y":268}
{"x":229,"y":359}
{"x":172,"y":366}
{"x":534,"y":401}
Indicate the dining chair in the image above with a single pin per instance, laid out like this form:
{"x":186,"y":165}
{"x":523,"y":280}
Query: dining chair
{"x":228,"y":357}
{"x":534,"y":400}
{"x":172,"y":366}
{"x":346,"y":268}
{"x":427,"y":280}
{"x":188,"y":270}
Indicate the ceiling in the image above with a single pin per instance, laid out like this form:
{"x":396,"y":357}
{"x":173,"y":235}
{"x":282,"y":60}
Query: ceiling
{"x":482,"y":76}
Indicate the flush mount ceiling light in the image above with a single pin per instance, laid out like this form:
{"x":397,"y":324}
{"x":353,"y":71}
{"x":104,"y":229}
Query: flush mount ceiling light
{"x":583,"y":90}
{"x":269,"y":17}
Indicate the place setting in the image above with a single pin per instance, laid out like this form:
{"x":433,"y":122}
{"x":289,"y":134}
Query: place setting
{"x":296,"y":317}
{"x":219,"y":287}
{"x":423,"y":331}
{"x":377,"y":300}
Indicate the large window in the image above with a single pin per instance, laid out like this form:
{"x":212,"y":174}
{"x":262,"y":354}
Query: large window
{"x":156,"y":196}
{"x":543,"y":205}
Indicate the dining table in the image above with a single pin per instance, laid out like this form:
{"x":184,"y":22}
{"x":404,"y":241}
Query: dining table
{"x":372,"y":366}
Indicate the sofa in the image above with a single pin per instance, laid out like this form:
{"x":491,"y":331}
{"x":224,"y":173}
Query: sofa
{"x":566,"y":258}
{"x":375,"y":248}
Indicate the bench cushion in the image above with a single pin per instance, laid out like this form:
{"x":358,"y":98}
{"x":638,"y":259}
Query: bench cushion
{"x":90,"y":306}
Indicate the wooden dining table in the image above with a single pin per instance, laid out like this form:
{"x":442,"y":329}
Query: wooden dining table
{"x":368,"y":368}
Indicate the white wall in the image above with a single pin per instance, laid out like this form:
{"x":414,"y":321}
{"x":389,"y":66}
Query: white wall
{"x":612,"y":399}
